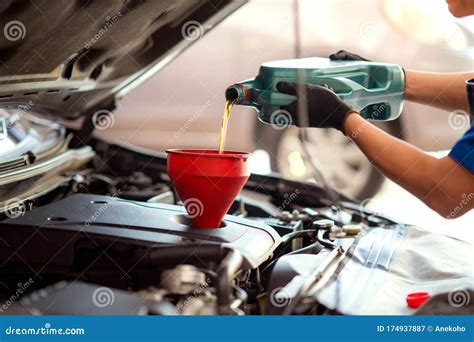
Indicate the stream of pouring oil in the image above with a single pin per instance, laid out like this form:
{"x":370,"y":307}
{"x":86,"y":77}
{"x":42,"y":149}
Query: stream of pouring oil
{"x":225,"y":121}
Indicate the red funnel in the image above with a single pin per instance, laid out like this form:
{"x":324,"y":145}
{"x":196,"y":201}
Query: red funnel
{"x":207,"y":182}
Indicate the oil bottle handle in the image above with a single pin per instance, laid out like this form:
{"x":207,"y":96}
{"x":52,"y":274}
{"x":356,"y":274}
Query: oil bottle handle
{"x":341,"y":85}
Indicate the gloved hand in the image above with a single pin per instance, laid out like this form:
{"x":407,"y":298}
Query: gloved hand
{"x":343,"y":55}
{"x":325,"y":108}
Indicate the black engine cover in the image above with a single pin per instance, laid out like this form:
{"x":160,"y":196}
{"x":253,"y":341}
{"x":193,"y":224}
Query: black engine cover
{"x":62,"y":234}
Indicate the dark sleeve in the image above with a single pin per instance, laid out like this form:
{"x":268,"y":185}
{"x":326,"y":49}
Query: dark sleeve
{"x":463,"y":150}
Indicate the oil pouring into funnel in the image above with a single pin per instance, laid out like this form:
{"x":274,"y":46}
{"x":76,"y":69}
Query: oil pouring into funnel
{"x":225,"y":121}
{"x":208,"y":181}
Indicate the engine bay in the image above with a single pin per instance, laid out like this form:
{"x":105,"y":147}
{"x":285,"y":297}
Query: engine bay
{"x":110,"y":221}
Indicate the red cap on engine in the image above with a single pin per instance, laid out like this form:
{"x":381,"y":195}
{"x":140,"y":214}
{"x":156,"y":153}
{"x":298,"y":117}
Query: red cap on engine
{"x":416,"y":299}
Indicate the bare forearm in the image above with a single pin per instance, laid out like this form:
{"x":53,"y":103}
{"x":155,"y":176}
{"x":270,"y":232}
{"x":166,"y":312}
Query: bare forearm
{"x":396,"y":159}
{"x":439,"y":183}
{"x":445,"y":91}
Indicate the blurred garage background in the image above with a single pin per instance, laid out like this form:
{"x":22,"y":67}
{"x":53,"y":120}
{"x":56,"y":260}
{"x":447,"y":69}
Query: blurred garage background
{"x":182,"y":105}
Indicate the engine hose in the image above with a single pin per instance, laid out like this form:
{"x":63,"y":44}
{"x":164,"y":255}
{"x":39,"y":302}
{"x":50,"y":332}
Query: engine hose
{"x":314,"y":248}
{"x":225,"y":273}
{"x":241,"y":298}
{"x":226,"y":270}
{"x":288,"y":238}
{"x":323,"y":239}
{"x":333,"y":257}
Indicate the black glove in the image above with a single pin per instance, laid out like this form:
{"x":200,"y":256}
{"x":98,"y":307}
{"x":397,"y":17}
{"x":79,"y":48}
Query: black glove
{"x":343,"y":55}
{"x":325,"y":108}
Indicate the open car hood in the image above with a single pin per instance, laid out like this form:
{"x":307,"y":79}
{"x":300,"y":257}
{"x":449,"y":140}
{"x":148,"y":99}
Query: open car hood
{"x":70,"y":58}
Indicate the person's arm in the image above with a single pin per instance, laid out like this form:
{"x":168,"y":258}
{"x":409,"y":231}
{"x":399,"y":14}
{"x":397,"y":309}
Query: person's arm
{"x":446,"y":91}
{"x":442,"y":184}
{"x":441,"y":90}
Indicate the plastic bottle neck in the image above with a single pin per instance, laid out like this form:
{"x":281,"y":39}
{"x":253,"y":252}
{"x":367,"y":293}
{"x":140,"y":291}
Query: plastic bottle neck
{"x":238,"y":93}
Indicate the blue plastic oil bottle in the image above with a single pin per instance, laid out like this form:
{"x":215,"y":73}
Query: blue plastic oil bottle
{"x":376,"y":90}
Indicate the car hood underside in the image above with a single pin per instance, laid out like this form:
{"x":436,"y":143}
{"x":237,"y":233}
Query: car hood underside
{"x":69,"y":57}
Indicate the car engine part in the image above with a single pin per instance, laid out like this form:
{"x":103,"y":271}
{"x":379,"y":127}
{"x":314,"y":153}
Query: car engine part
{"x":114,"y":225}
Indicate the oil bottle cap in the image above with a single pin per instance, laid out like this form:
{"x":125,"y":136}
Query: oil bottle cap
{"x":416,"y":299}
